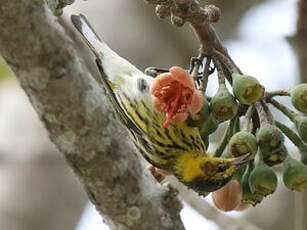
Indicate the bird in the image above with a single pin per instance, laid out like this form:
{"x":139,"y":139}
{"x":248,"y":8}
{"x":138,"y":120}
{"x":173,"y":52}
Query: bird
{"x":174,"y":147}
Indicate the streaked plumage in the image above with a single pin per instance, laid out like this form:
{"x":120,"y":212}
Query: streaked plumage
{"x":177,"y":149}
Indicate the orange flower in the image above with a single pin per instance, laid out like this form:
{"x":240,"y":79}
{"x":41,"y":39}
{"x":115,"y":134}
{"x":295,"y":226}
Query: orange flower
{"x":174,"y":94}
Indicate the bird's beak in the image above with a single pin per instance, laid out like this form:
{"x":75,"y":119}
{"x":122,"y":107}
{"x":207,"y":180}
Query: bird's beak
{"x":240,"y":160}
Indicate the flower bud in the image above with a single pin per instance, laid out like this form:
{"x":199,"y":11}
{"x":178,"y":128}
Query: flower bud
{"x":239,"y":171}
{"x":203,"y":120}
{"x":163,"y":11}
{"x":223,"y":105}
{"x":297,"y":141}
{"x":301,"y":126}
{"x":303,"y":153}
{"x":228,"y":197}
{"x":262,"y":180}
{"x":269,"y":138}
{"x":295,"y":174}
{"x":197,"y":119}
{"x":250,"y":198}
{"x":210,"y":126}
{"x":275,"y":157}
{"x":243,"y":142}
{"x":176,"y":20}
{"x":214,"y":13}
{"x":247,"y":89}
{"x":247,"y":196}
{"x":299,"y":98}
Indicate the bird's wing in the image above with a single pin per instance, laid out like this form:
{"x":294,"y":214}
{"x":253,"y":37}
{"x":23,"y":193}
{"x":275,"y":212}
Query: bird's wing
{"x":116,"y":105}
{"x":133,"y":105}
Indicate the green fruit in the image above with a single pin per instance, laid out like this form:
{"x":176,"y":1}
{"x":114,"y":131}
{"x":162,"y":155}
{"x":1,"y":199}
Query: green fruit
{"x":203,"y":120}
{"x":247,"y":89}
{"x":243,"y":142}
{"x":299,"y":121}
{"x":263,"y":180}
{"x":239,"y":173}
{"x":275,"y":157}
{"x":299,"y":97}
{"x":297,"y":141}
{"x":208,"y":127}
{"x":196,"y":120}
{"x":303,"y":152}
{"x":295,"y":174}
{"x":248,"y":197}
{"x":301,"y":126}
{"x":223,"y":105}
{"x":269,"y":138}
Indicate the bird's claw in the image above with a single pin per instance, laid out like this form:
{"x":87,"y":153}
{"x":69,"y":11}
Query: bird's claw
{"x":154,"y":71}
{"x":193,"y":62}
{"x":157,"y":173}
{"x":211,"y":70}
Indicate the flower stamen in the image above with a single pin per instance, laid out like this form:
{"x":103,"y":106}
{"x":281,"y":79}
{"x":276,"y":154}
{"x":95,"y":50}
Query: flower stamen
{"x":175,"y":95}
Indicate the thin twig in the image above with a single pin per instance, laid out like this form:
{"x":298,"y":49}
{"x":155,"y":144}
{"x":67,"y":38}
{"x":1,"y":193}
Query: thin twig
{"x":281,"y":92}
{"x":206,"y":74}
{"x":285,"y":110}
{"x":220,"y":73}
{"x":227,"y":61}
{"x":247,"y":122}
{"x":290,"y":134}
{"x":262,"y":113}
{"x":222,"y":145}
{"x":197,"y":64}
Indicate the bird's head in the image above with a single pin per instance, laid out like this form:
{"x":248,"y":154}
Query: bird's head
{"x":206,"y":174}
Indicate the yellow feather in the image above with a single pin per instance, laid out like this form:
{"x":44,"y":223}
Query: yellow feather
{"x":189,"y":167}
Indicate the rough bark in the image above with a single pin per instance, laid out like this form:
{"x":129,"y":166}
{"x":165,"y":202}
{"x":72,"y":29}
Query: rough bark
{"x":76,"y":113}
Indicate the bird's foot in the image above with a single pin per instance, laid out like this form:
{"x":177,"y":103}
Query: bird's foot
{"x":158,"y":174}
{"x":155,"y":71}
{"x":194,"y":61}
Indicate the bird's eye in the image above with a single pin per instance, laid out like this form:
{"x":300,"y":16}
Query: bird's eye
{"x":142,"y":84}
{"x":222,"y":168}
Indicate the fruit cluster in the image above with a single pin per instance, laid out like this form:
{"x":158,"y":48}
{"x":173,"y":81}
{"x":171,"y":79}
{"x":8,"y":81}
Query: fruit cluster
{"x":252,"y":129}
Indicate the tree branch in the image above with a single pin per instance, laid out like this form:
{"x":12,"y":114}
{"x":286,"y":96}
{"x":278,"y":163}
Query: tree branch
{"x":298,"y":40}
{"x":77,"y":115}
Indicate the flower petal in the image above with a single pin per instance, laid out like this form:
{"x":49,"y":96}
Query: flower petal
{"x":182,"y":77}
{"x":180,"y":117}
{"x":197,"y":102}
{"x":158,"y":104}
{"x":160,"y":81}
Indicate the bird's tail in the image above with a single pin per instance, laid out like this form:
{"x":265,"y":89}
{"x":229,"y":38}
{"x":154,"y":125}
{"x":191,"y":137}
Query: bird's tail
{"x":115,"y":67}
{"x":90,"y":35}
